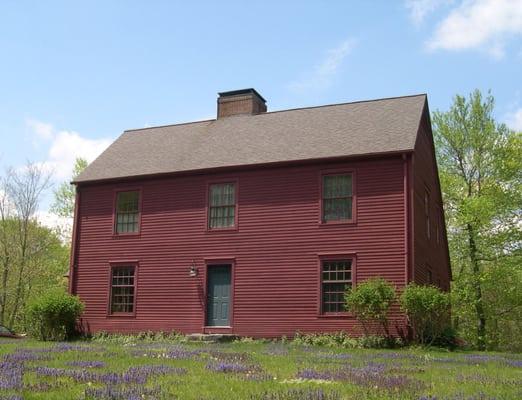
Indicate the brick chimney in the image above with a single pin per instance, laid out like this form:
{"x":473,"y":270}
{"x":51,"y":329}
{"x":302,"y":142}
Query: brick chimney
{"x":240,"y":102}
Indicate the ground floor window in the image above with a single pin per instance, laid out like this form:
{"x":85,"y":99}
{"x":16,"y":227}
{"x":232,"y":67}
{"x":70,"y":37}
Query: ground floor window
{"x":123,"y":289}
{"x":336,"y":279}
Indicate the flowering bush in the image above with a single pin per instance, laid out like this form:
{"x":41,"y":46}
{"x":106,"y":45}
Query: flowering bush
{"x":53,"y":316}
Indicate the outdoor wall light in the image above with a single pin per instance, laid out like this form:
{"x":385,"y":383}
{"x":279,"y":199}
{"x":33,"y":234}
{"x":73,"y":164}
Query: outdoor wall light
{"x":193,"y":272}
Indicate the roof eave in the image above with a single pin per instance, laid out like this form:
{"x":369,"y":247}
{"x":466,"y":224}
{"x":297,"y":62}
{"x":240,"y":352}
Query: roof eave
{"x":273,"y":164}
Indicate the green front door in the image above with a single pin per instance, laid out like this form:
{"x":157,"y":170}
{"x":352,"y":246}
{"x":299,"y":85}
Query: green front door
{"x":218,"y":295}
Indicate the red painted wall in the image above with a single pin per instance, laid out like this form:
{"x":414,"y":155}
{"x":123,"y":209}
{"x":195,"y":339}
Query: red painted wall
{"x":275,"y":250}
{"x":429,"y":253}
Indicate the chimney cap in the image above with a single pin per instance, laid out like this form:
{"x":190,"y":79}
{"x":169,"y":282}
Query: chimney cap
{"x":241,"y":91}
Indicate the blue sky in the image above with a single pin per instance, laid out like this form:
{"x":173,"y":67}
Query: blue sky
{"x":74,"y":75}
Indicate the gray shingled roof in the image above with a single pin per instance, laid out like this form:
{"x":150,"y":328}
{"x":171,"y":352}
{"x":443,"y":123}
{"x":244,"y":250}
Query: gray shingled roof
{"x":367,"y":127}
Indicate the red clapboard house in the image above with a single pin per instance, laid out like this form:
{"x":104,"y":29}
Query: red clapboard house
{"x":256,"y":222}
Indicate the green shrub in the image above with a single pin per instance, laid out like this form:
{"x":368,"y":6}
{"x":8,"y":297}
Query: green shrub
{"x":427,"y":309}
{"x":378,"y":342}
{"x":334,"y":339}
{"x":343,"y":340}
{"x":128,"y":339}
{"x":370,"y":302}
{"x":53,"y":316}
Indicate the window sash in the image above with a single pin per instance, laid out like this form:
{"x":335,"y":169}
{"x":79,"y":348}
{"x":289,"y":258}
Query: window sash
{"x":122,"y":290}
{"x":427,"y":214}
{"x":337,"y":197}
{"x":222,"y":202}
{"x":127,"y":212}
{"x":336,"y":279}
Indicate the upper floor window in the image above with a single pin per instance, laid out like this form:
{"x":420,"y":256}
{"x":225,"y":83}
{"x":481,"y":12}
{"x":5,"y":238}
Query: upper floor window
{"x":427,"y":213}
{"x":222,"y":205}
{"x":127,"y":212}
{"x":122,"y":289}
{"x":337,"y":200}
{"x":440,"y":227}
{"x":336,"y":279}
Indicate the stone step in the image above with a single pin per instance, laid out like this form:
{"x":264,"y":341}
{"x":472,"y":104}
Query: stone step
{"x":211,"y":337}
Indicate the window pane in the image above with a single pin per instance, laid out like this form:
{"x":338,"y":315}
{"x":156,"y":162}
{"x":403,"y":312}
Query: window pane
{"x":336,"y":280}
{"x":222,"y":194}
{"x":337,"y":209}
{"x":222,"y":205}
{"x":127,"y":212}
{"x":122,"y":291}
{"x":335,"y":186}
{"x":337,"y":197}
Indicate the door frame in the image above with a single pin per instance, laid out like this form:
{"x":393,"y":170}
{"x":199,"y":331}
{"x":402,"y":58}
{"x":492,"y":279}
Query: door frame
{"x":215,"y":262}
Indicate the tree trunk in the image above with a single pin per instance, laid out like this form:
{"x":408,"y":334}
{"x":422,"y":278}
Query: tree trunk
{"x":3,"y":296}
{"x":479,"y":306}
{"x":24,"y":233}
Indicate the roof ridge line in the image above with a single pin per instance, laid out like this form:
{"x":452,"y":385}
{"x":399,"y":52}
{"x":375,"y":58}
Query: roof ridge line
{"x":167,"y":125}
{"x":346,"y":103}
{"x":285,"y":110}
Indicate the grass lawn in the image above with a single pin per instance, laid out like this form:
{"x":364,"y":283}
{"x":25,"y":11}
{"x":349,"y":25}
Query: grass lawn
{"x":249,"y":370}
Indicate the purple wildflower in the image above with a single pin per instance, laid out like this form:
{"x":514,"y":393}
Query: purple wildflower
{"x":371,"y":376}
{"x":122,"y":393}
{"x":86,"y":364}
{"x":514,"y":363}
{"x":460,"y":396}
{"x":23,"y":355}
{"x":299,"y":394}
{"x":175,"y":352}
{"x":276,"y":350}
{"x":11,"y":375}
{"x":228,"y":367}
{"x":229,"y":356}
{"x":137,"y":375}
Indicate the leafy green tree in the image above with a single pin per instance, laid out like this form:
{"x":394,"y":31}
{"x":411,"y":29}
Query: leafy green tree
{"x":32,"y":257}
{"x":480,"y":168}
{"x":64,"y":197}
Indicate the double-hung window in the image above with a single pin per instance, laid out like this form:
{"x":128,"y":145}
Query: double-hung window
{"x":222,"y":205}
{"x":337,"y":197}
{"x":127,"y":212}
{"x":336,"y":280}
{"x":427,"y":213}
{"x":123,"y":289}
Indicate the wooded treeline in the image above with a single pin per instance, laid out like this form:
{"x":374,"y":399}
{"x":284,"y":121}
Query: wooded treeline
{"x":32,"y":256}
{"x":480,"y":168}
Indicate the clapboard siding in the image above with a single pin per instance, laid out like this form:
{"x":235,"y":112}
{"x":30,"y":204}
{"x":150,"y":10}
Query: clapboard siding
{"x":276,"y":248}
{"x":429,"y":254}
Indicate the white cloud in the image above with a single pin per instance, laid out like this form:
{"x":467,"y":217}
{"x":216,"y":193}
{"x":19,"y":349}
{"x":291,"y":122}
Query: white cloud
{"x":480,"y":25}
{"x":324,"y":73}
{"x":65,"y":147}
{"x":420,"y":9}
{"x":514,"y":120}
{"x":41,"y":129}
{"x":62,"y":225}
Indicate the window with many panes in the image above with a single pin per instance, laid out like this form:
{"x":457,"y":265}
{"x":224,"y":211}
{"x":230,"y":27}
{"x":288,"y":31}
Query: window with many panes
{"x":336,"y":279}
{"x":222,"y":205}
{"x":127,"y":212}
{"x":439,"y":227}
{"x":122,"y":289}
{"x":337,"y":201}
